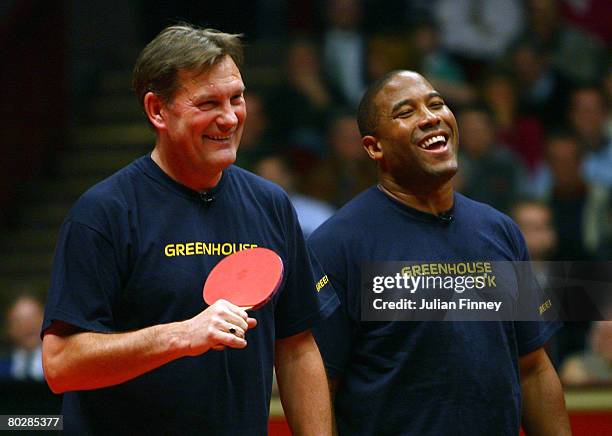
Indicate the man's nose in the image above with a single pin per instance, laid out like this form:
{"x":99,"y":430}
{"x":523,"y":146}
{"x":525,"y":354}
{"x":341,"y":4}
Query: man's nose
{"x":227,"y":119}
{"x":429,"y":119}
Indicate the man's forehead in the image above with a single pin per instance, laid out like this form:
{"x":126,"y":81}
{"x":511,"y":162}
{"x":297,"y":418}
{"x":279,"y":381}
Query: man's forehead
{"x":404,"y":85}
{"x":223,"y":73}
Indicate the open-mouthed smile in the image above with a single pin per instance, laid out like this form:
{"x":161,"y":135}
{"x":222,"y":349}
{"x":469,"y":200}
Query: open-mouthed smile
{"x":437,"y":142}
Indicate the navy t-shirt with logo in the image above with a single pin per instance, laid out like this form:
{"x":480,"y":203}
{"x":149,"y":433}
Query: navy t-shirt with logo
{"x":134,"y":252}
{"x":427,"y":377}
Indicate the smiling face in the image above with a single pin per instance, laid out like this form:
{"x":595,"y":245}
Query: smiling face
{"x":416,"y":137}
{"x":199,"y":130}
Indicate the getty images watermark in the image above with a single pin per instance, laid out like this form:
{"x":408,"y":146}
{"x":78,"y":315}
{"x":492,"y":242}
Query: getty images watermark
{"x":486,"y":290}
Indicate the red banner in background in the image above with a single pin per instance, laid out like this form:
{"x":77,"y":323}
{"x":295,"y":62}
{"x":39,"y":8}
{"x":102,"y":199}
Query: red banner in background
{"x":583,"y":424}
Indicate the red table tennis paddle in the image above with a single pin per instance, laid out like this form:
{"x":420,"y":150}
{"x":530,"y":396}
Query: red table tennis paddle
{"x":247,"y":278}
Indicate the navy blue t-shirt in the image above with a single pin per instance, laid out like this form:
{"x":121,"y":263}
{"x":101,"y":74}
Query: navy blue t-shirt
{"x":134,"y":252}
{"x":420,"y":378}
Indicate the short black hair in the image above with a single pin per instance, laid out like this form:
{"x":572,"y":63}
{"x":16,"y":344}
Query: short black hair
{"x":367,"y":114}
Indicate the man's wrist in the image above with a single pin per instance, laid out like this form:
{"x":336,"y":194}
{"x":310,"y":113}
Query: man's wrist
{"x":175,"y":337}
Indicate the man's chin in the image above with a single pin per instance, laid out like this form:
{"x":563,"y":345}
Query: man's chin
{"x":225,"y":159}
{"x":443,"y":173}
{"x":447,"y":174}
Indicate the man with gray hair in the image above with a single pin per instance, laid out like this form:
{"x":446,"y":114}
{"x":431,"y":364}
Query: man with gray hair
{"x":127,"y":336}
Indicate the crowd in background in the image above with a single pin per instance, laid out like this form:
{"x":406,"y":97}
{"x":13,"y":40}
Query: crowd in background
{"x":530,"y":83}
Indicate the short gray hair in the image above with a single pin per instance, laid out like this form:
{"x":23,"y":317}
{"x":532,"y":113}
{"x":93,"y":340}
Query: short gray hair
{"x":180,"y":47}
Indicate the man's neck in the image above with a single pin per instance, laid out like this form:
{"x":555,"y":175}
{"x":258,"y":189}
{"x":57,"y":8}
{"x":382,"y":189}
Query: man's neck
{"x":180,"y":173}
{"x":435,"y":200}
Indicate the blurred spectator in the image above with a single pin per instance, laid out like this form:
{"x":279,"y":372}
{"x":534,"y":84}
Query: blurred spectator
{"x":300,"y":106}
{"x":386,"y":52}
{"x":594,"y":365}
{"x":347,"y":170}
{"x":567,"y":195}
{"x":24,"y":320}
{"x":344,"y":49}
{"x":256,"y":138}
{"x":576,"y":54}
{"x":489,"y":171}
{"x":588,"y":115}
{"x":395,"y":16}
{"x":593,"y":16}
{"x":437,"y":66}
{"x":580,"y":209}
{"x":524,"y":134}
{"x":479,"y":30}
{"x":311,"y":212}
{"x":542,"y":88}
{"x":534,"y":218}
{"x":607,"y":87}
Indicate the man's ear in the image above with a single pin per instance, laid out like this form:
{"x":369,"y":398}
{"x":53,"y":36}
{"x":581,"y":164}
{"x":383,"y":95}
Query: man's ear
{"x":153,"y":106}
{"x":372,"y":147}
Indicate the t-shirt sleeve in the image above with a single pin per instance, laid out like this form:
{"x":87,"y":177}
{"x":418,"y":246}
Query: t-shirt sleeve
{"x":306,"y":296}
{"x":531,"y":335}
{"x":85,"y":281}
{"x":334,"y":335}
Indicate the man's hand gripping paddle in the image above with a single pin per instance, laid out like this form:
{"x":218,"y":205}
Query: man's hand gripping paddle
{"x":247,"y":278}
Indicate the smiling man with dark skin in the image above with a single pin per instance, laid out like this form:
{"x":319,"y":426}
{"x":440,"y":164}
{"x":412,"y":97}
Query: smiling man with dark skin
{"x":426,"y":377}
{"x":128,"y":338}
{"x":417,"y":153}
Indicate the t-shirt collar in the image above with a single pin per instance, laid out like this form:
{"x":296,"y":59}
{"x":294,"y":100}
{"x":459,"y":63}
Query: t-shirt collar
{"x":155,"y":172}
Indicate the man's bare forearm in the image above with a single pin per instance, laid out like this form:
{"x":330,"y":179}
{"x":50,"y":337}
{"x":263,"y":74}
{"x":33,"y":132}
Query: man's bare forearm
{"x":77,"y":360}
{"x":88,"y":360}
{"x":303,"y":385}
{"x":544,"y":410}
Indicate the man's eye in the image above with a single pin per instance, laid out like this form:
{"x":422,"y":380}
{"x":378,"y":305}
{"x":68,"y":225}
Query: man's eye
{"x":206,"y":105}
{"x":437,"y":104}
{"x":405,"y":114}
{"x":237,"y":99}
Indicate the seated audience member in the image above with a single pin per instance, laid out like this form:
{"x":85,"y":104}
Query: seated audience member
{"x":311,"y":212}
{"x":592,"y":16}
{"x":346,"y":171}
{"x":534,"y":218}
{"x":543,"y":89}
{"x":588,"y":114}
{"x":24,"y":319}
{"x":594,"y":365}
{"x":344,"y":49}
{"x":477,"y":30}
{"x":607,"y":89}
{"x":386,"y":52}
{"x":522,"y":133}
{"x":256,"y":139}
{"x":573,"y":52}
{"x":581,"y":209}
{"x":489,"y":172}
{"x":300,"y":105}
{"x":438,"y":66}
